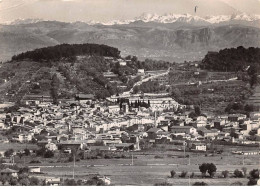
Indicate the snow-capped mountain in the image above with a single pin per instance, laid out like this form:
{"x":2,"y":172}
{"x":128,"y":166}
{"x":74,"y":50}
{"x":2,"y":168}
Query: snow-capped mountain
{"x":166,"y":19}
{"x":25,"y":21}
{"x":186,"y":18}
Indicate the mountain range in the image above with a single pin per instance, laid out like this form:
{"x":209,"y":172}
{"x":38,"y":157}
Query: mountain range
{"x":172,"y":37}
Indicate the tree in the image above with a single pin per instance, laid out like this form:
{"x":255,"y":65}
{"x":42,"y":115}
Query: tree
{"x":212,"y":169}
{"x":13,"y":181}
{"x":40,"y":152}
{"x":183,"y":174}
{"x":254,"y":174}
{"x":192,"y":115}
{"x":203,"y":169}
{"x":225,"y":173}
{"x":27,"y":152}
{"x":173,"y":173}
{"x":23,"y":170}
{"x":136,"y":89}
{"x":5,"y":179}
{"x":238,"y":173}
{"x":9,"y":152}
{"x":34,"y":181}
{"x":48,"y":154}
{"x":197,"y":110}
{"x":252,"y":182}
{"x":24,"y":182}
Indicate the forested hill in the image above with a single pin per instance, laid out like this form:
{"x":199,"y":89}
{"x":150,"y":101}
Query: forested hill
{"x":234,"y":59}
{"x":67,"y":51}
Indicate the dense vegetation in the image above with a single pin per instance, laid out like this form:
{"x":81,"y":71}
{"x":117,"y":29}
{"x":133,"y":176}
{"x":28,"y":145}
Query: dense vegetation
{"x":148,"y":64}
{"x":149,"y":87}
{"x":234,"y":59}
{"x":58,"y":52}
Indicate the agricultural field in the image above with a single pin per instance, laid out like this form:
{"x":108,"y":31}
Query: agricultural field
{"x":214,"y":96}
{"x":150,"y":167}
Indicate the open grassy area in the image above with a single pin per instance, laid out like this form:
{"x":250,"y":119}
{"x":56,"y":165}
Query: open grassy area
{"x":152,"y":166}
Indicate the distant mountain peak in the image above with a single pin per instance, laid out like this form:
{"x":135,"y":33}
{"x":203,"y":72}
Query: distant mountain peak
{"x":184,"y":18}
{"x":25,"y":21}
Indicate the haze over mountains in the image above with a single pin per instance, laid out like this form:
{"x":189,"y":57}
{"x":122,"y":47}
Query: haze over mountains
{"x":172,"y":37}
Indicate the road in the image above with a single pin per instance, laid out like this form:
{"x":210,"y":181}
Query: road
{"x":149,"y":78}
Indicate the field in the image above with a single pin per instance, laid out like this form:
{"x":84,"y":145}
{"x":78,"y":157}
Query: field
{"x":152,"y":166}
{"x":215,"y":96}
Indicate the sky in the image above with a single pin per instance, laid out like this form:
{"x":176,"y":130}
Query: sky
{"x":107,"y":10}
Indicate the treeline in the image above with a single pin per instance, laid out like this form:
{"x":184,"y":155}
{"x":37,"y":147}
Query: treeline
{"x":234,"y":59}
{"x":149,"y":87}
{"x":148,"y":64}
{"x":58,"y":52}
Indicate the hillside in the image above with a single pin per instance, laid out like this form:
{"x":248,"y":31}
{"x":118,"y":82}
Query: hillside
{"x":61,"y":71}
{"x":234,"y":59}
{"x":176,"y":41}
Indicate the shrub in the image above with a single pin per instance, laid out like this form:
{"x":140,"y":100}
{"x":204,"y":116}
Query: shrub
{"x":48,"y":154}
{"x":24,"y":182}
{"x":252,"y":182}
{"x":200,"y":184}
{"x":9,"y":152}
{"x":27,"y":152}
{"x":13,"y":181}
{"x":254,"y":174}
{"x":34,"y":181}
{"x":225,"y":173}
{"x":238,"y":173}
{"x":183,"y":174}
{"x":192,"y":175}
{"x":173,"y":173}
{"x":70,"y":182}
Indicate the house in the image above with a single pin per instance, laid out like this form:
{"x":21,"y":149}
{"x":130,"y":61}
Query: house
{"x":31,"y":99}
{"x":183,"y":129}
{"x":34,"y":169}
{"x":84,"y":98}
{"x":140,"y":71}
{"x":113,"y":108}
{"x":53,"y":181}
{"x":208,"y":133}
{"x":219,"y":124}
{"x":247,"y":153}
{"x":9,"y":172}
{"x":110,"y":75}
{"x":236,"y":117}
{"x":152,"y":133}
{"x":198,"y":147}
{"x":122,"y":63}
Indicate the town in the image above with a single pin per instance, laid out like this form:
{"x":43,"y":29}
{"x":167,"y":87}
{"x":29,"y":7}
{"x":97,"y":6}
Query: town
{"x":122,"y":130}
